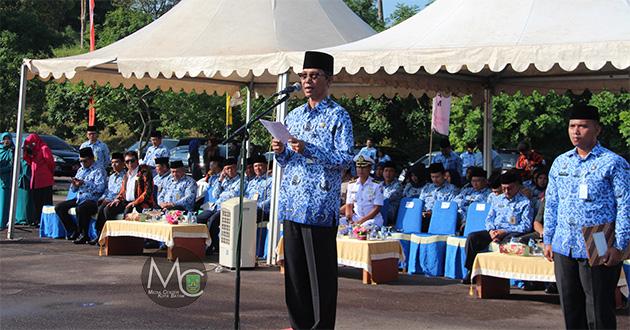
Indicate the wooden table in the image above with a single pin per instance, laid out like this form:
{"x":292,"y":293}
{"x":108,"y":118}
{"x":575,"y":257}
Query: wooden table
{"x":492,"y":272}
{"x":378,"y":259}
{"x":184,"y":241}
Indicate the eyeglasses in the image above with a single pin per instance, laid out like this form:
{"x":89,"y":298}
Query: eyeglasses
{"x":312,"y":75}
{"x":128,"y":161}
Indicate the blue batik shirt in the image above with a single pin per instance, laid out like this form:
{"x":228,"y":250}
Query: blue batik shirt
{"x":514,"y":215}
{"x":606,"y":178}
{"x":432,"y":193}
{"x":100,"y":150}
{"x":450,"y":162}
{"x":94,"y":183}
{"x":182,"y":192}
{"x":468,"y":196}
{"x":222,"y":191}
{"x":113,"y":185}
{"x":154,"y":152}
{"x":412,"y":191}
{"x":260,"y":187}
{"x":160,"y":180}
{"x":311,"y":182}
{"x":392,"y":192}
{"x":469,"y":160}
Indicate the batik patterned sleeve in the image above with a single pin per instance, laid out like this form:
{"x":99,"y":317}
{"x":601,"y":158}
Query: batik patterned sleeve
{"x":526,"y":213}
{"x":265,"y":202}
{"x":551,"y":205}
{"x":492,"y":214}
{"x":340,"y":155}
{"x":621,"y":182}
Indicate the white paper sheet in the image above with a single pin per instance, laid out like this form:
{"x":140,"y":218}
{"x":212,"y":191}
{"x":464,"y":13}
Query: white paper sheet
{"x":481,"y":207}
{"x":277,"y":130}
{"x":445,"y":205}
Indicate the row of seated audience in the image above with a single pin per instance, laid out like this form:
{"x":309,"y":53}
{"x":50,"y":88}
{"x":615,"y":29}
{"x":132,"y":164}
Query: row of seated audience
{"x":153,"y":183}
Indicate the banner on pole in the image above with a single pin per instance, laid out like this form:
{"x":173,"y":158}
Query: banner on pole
{"x":92,"y":34}
{"x":228,"y":110}
{"x":441,"y":114}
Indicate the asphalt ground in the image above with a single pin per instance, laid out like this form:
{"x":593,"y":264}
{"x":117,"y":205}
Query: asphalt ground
{"x":55,"y":284}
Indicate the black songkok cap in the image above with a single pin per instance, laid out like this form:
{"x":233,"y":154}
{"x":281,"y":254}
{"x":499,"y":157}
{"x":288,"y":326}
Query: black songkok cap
{"x":388,"y":164}
{"x":445,"y":144}
{"x":156,"y":134}
{"x":436,"y":168}
{"x":177,"y":164}
{"x":584,"y":112}
{"x":229,"y":161}
{"x":119,"y":156}
{"x":477,"y":172}
{"x":250,"y":161}
{"x":259,"y":159}
{"x":86,"y":152}
{"x":91,"y":128}
{"x":161,"y":161}
{"x":510,"y":177}
{"x":319,"y":60}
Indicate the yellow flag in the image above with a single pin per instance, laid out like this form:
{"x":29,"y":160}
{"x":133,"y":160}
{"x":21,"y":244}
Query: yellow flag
{"x":228,"y":111}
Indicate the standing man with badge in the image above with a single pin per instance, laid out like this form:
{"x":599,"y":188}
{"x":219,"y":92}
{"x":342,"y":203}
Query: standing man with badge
{"x":156,"y":150}
{"x":99,"y":148}
{"x":313,"y":161}
{"x":588,"y":185}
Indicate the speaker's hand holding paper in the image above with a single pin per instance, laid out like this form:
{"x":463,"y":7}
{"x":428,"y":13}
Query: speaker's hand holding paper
{"x":277,"y":130}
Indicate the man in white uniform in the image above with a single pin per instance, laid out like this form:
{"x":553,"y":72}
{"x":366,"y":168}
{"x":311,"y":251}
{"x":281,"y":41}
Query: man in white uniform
{"x":365,"y":197}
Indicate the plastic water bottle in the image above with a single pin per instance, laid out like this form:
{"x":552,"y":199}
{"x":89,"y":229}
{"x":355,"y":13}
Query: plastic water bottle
{"x":193,"y":219}
{"x":188,"y":217}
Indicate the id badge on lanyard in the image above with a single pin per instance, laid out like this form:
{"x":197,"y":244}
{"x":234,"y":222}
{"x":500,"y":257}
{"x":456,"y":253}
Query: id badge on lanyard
{"x":583,"y":187}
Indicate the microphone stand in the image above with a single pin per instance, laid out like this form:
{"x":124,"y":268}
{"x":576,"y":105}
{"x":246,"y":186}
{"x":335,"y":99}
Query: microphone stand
{"x":243,"y":133}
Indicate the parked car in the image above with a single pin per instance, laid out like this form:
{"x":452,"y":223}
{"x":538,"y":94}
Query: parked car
{"x":508,"y":158}
{"x":181,"y":153}
{"x":168,"y":144}
{"x":66,"y":157}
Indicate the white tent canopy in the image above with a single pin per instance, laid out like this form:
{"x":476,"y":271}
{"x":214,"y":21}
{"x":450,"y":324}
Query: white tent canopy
{"x":212,"y":45}
{"x":462,"y":46}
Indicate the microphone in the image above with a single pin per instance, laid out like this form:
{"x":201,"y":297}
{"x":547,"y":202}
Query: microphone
{"x":293,"y":88}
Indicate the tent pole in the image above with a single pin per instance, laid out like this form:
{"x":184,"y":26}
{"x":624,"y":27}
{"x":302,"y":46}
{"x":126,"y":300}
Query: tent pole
{"x":17,"y":154}
{"x":487,"y":130}
{"x":248,"y":113}
{"x":273,"y":227}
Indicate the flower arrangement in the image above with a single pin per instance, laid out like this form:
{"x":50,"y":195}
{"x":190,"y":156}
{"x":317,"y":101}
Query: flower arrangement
{"x":174,"y":217}
{"x":360,"y":232}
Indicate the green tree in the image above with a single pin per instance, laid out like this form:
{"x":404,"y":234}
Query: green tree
{"x":366,"y":9}
{"x":401,"y":13}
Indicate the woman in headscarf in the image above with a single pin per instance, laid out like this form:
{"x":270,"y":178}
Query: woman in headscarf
{"x":193,"y":159}
{"x":6,"y":163}
{"x":40,"y":159}
{"x":417,"y":181}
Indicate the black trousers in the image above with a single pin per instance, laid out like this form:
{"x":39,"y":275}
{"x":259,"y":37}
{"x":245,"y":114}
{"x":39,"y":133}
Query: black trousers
{"x":587,"y":294}
{"x":84,"y":214}
{"x":40,"y":197}
{"x":310,"y":275}
{"x":213,"y":220}
{"x":478,"y":242}
{"x":111,"y":212}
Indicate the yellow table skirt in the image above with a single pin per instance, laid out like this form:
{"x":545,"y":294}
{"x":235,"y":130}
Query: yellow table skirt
{"x":357,"y":253}
{"x":530,"y":268}
{"x":159,"y":231}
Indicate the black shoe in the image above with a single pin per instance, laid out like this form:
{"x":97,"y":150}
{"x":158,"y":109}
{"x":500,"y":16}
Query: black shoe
{"x":212,"y":250}
{"x":81,"y":240}
{"x":551,"y":288}
{"x":93,"y":241}
{"x":466,"y":279}
{"x":73,"y":236}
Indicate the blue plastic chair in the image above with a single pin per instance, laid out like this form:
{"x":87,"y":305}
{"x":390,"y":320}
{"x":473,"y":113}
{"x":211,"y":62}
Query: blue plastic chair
{"x":51,"y":226}
{"x":409,"y":218}
{"x":455,"y":246}
{"x":384,"y":210}
{"x":427,"y":251}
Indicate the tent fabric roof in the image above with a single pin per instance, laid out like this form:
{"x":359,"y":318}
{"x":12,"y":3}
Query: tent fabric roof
{"x":220,"y":39}
{"x":458,"y":46}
